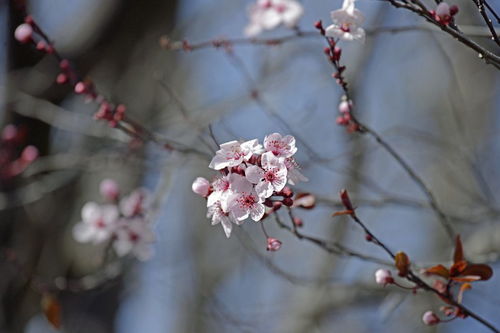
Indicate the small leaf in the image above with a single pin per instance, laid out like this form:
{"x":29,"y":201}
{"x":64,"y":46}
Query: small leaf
{"x":459,"y":251}
{"x":458,"y":267}
{"x":343,"y":212}
{"x":463,"y":287}
{"x":484,"y":272}
{"x":438,"y":270}
{"x":468,"y":278}
{"x":402,"y":263}
{"x":52,"y":310}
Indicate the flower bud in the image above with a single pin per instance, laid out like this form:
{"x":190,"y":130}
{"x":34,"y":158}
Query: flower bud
{"x":344,"y":107}
{"x":383,"y":277}
{"x":273,"y":244}
{"x":453,"y":10}
{"x":443,"y":9}
{"x":430,"y":318}
{"x":29,"y":154}
{"x":201,"y":186}
{"x":109,"y":189}
{"x":80,"y":88}
{"x":61,"y":78}
{"x":23,"y":33}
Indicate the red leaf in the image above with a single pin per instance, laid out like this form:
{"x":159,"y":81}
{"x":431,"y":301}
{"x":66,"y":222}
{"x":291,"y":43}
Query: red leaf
{"x":459,"y":251}
{"x":343,"y":212}
{"x":52,"y":310}
{"x":402,"y":263}
{"x":457,"y":268}
{"x":484,"y":272}
{"x":438,"y":270}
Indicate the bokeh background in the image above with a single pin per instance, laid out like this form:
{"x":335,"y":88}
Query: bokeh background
{"x":434,"y":100}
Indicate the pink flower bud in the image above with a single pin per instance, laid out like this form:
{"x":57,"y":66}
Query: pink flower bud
{"x":201,"y":186}
{"x":383,"y":277}
{"x":80,"y":88}
{"x":430,"y":318}
{"x":344,"y":107}
{"x":298,"y":222}
{"x":64,"y":64}
{"x":443,"y":10}
{"x":9,"y":132}
{"x":41,"y":45}
{"x":109,"y":189}
{"x":29,"y":154}
{"x":61,"y":78}
{"x":273,"y":244}
{"x":23,"y":33}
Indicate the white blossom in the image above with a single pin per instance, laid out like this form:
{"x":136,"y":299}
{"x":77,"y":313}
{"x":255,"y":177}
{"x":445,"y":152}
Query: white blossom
{"x":98,"y":223}
{"x":233,"y":153}
{"x":346,"y":23}
{"x":271,"y":177}
{"x":280,"y":146}
{"x":269,"y":14}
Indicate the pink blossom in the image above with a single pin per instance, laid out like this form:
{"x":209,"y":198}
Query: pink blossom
{"x":98,"y":223}
{"x":233,"y":153}
{"x":346,"y":23}
{"x":273,"y":244}
{"x":218,"y":215}
{"x":383,"y":277}
{"x":271,"y":177}
{"x":201,"y":186}
{"x":245,"y":202}
{"x":134,"y":236}
{"x":23,"y":33}
{"x":109,"y":189}
{"x":135,"y":203}
{"x":430,"y":318}
{"x":269,"y":14}
{"x":280,"y":146}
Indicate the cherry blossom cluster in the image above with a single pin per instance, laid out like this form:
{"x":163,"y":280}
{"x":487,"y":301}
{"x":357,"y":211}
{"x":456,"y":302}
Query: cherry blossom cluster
{"x":252,"y":177}
{"x":269,"y":14}
{"x":444,"y":13}
{"x":30,"y":32}
{"x":123,"y":222}
{"x":14,"y":160}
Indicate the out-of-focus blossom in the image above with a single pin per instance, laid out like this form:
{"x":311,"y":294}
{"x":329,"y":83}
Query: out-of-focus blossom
{"x":23,"y":33}
{"x":346,"y":23}
{"x":98,"y":223}
{"x":134,"y":203}
{"x":134,"y":236}
{"x":125,"y":223}
{"x":269,"y":14}
{"x":109,"y":189}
